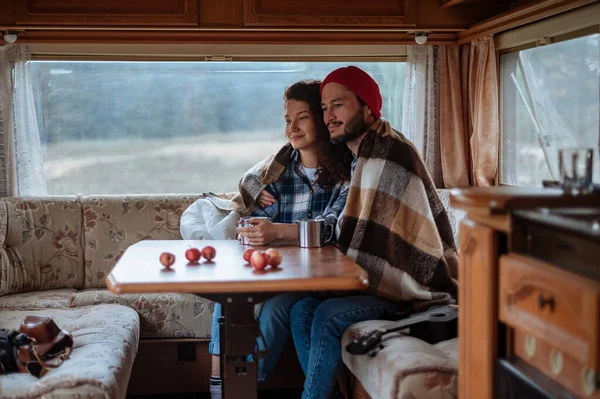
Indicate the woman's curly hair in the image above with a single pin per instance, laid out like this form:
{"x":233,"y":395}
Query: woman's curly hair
{"x":334,"y":159}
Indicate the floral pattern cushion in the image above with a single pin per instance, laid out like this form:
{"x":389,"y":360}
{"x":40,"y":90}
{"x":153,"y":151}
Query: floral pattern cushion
{"x":113,"y":223}
{"x":105,"y":344}
{"x":51,"y":299}
{"x":161,"y":315}
{"x":41,"y":244}
{"x":406,"y":367}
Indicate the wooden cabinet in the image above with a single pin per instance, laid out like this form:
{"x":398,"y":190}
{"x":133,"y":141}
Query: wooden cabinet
{"x":106,"y":12}
{"x":555,"y":363}
{"x":529,"y":313}
{"x":331,"y":13}
{"x":553,"y":304}
{"x":478,"y":268}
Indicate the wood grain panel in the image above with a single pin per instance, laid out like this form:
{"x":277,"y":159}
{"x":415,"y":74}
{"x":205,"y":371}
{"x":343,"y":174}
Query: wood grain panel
{"x":451,"y":3}
{"x":432,"y":15}
{"x":157,"y":368}
{"x":552,"y":303}
{"x":541,"y":354}
{"x":106,"y":12}
{"x":527,"y":13}
{"x":500,"y":199}
{"x":230,"y":37}
{"x":331,"y":13}
{"x":472,"y":3}
{"x":6,"y":12}
{"x":477,"y":311}
{"x":302,"y":269}
{"x":221,"y":13}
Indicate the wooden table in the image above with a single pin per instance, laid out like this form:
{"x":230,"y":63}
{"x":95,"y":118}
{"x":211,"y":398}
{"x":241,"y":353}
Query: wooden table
{"x":229,"y":280}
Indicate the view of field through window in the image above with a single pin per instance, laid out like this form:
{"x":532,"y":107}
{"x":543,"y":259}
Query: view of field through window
{"x":171,"y":127}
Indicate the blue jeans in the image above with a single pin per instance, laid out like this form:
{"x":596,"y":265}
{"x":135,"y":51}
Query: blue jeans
{"x":214,"y":347}
{"x":274,"y":322}
{"x":317,"y":328}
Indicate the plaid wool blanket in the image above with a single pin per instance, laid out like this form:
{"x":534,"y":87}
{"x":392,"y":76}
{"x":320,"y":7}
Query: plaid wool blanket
{"x":395,"y":225}
{"x":253,"y":183}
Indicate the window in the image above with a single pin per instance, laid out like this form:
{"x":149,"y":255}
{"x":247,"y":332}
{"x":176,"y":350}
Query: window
{"x":550,"y":100}
{"x":178,"y":127}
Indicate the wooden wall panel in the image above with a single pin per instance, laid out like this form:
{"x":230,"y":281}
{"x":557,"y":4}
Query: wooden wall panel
{"x":331,"y":13}
{"x":432,"y":15}
{"x":530,"y":11}
{"x":452,"y":3}
{"x":228,"y":37}
{"x":221,"y":13}
{"x":477,"y":311}
{"x":6,"y":12}
{"x":106,"y":12}
{"x":269,"y":21}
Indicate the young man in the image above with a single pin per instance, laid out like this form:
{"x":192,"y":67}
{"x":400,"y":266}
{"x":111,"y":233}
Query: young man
{"x":394,"y":225}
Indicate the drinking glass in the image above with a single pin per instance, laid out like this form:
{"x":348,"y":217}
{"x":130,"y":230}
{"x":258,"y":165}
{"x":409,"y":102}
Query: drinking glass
{"x":575,"y":169}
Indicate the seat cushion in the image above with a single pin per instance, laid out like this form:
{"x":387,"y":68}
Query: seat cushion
{"x":105,"y":344}
{"x":50,"y":299}
{"x":164,"y":315}
{"x":406,"y":367}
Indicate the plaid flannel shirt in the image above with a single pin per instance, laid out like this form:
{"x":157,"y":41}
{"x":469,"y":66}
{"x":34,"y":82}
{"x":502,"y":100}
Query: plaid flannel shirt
{"x":297,"y":198}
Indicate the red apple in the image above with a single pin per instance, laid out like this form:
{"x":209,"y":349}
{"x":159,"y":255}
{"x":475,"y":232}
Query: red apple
{"x":167,"y":259}
{"x":247,"y":254}
{"x":259,"y":260}
{"x":275,"y":257}
{"x":209,"y":253}
{"x":193,"y":255}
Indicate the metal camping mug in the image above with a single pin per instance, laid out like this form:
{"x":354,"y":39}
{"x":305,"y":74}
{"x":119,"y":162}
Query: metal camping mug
{"x":311,"y":233}
{"x":245,"y":222}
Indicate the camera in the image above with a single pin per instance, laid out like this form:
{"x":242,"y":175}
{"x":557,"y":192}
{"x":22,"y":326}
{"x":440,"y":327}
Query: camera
{"x":10,"y":341}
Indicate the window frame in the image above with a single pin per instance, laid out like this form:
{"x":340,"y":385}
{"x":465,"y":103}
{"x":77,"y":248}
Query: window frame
{"x":511,"y":91}
{"x":207,"y":52}
{"x":44,"y":56}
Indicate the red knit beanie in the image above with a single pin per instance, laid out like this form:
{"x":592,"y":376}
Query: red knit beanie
{"x":360,"y":83}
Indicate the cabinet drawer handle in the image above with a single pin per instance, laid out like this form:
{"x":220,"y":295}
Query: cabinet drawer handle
{"x":556,"y":361}
{"x":589,"y":380}
{"x":547,"y":301}
{"x":530,"y":345}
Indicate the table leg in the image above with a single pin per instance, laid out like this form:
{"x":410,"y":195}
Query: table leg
{"x":239,"y":333}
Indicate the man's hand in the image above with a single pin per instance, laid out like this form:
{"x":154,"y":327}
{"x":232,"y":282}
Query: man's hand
{"x":261,"y":233}
{"x":265,"y":199}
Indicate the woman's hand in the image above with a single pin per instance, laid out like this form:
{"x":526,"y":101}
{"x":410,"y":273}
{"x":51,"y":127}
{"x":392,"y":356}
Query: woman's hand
{"x":261,"y":233}
{"x":265,"y":199}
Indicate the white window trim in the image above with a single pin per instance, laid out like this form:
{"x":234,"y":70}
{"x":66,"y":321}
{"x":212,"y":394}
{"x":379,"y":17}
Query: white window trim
{"x":562,"y":24}
{"x":238,"y":52}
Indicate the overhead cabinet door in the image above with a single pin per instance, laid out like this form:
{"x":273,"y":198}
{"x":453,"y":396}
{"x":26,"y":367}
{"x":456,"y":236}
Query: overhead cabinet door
{"x":340,"y":13}
{"x":107,"y":12}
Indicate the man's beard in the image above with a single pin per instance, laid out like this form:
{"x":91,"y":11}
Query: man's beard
{"x":353,"y":129}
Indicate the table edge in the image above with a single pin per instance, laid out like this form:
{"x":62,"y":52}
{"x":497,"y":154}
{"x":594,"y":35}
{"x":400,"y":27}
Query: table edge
{"x":351,"y":283}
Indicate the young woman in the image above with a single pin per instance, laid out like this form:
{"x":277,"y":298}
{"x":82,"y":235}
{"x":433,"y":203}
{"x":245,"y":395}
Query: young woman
{"x":313,"y":184}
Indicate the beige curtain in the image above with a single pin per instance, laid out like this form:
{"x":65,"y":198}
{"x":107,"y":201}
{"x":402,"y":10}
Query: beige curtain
{"x":6,"y":121}
{"x":21,"y":160}
{"x":420,"y":110}
{"x":469,"y":114}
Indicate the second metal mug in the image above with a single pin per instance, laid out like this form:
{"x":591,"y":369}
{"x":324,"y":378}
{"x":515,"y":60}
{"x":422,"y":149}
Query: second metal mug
{"x":311,"y":233}
{"x":244,"y":222}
